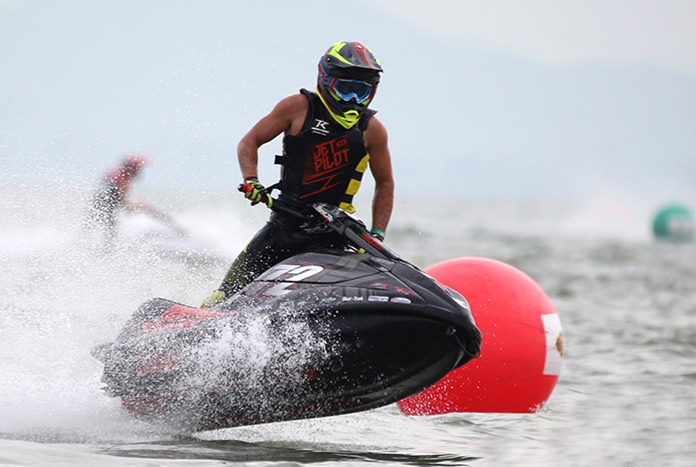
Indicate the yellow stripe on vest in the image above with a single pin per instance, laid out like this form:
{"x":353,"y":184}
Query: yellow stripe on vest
{"x":354,"y":185}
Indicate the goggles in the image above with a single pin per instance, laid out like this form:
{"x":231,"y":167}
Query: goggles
{"x":348,"y":89}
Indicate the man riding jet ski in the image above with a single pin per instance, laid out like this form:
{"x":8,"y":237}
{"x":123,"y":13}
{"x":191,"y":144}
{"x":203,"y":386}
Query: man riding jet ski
{"x":321,"y":333}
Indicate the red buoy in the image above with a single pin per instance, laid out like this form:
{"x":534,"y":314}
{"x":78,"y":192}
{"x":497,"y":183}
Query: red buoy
{"x":521,"y":350}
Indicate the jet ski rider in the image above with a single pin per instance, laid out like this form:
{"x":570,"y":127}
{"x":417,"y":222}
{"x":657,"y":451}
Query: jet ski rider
{"x":330,"y":139}
{"x":112,"y":195}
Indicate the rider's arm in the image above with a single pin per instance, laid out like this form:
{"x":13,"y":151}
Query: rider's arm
{"x":283,"y":118}
{"x":381,"y":169}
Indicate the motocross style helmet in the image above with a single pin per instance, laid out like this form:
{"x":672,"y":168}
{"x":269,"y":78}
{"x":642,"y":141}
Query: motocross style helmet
{"x":347,"y":82}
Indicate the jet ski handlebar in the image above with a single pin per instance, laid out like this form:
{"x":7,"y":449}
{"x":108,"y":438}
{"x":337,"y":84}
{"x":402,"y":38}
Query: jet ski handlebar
{"x":335,"y":218}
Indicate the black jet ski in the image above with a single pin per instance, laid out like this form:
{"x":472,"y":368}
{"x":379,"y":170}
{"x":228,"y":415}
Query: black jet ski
{"x":321,"y":333}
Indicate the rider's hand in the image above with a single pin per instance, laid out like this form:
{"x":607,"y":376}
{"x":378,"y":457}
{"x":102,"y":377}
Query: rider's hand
{"x":256,"y":192}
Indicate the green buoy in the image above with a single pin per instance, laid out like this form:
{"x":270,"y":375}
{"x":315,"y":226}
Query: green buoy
{"x":674,"y":223}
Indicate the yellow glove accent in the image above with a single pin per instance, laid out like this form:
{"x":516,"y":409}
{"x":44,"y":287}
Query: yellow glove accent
{"x":256,"y":192}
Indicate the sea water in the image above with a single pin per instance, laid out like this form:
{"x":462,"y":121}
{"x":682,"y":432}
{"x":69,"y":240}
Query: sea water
{"x":626,"y":394}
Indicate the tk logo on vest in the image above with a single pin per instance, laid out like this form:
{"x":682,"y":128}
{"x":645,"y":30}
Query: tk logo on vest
{"x":320,"y":127}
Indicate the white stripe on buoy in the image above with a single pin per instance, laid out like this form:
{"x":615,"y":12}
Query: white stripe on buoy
{"x":554,"y":344}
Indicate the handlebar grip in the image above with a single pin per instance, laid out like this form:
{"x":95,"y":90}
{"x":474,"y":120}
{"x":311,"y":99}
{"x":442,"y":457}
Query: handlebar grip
{"x":248,"y":188}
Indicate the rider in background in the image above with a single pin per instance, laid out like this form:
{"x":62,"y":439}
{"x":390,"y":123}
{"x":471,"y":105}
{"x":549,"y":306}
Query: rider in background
{"x":330,"y":139}
{"x":112,"y":195}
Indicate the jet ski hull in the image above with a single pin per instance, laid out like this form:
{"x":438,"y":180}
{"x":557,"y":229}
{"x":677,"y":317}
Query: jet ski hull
{"x":319,"y":334}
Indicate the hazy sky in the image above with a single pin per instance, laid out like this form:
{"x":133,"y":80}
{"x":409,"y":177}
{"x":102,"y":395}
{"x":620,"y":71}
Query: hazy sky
{"x":567,"y":31}
{"x":562,"y":32}
{"x":489,"y":97}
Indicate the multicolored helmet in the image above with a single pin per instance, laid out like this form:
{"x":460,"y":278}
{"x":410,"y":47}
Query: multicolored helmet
{"x":347,"y":81}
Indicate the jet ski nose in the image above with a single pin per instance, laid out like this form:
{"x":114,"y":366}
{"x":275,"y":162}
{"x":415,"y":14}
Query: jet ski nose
{"x":469,"y":342}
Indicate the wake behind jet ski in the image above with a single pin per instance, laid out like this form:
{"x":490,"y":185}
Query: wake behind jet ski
{"x":321,"y":333}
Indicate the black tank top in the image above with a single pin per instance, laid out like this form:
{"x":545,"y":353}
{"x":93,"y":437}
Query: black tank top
{"x":324,"y":162}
